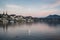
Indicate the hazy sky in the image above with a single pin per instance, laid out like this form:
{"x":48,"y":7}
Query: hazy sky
{"x":36,"y":8}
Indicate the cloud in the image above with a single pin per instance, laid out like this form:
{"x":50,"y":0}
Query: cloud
{"x":51,"y":5}
{"x":19,"y":9}
{"x":13,"y":8}
{"x":57,"y":3}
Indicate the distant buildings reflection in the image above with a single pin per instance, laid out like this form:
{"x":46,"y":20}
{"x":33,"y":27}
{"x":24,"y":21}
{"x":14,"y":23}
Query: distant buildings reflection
{"x":6,"y":19}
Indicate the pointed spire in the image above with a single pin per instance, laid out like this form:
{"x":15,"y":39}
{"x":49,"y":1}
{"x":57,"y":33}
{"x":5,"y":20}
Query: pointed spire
{"x":3,"y":12}
{"x":6,"y":12}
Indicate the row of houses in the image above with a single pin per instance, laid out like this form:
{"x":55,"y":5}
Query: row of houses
{"x":5,"y":18}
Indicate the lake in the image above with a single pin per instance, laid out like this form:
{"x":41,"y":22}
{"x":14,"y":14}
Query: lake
{"x":30,"y":31}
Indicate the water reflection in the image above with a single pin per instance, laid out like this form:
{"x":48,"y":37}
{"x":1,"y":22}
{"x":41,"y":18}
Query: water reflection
{"x":30,"y":31}
{"x":53,"y":23}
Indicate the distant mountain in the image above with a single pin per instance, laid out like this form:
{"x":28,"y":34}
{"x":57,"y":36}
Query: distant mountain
{"x":53,"y":16}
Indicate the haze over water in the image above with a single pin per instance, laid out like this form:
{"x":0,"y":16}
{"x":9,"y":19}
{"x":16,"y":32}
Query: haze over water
{"x":32,"y":31}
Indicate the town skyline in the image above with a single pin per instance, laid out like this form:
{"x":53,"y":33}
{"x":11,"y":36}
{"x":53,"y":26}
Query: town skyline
{"x":35,"y":8}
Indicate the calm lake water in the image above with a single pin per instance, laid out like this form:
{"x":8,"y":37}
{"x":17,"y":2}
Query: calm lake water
{"x":30,"y":31}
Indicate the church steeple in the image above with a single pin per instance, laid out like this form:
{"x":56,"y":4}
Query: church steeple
{"x":3,"y":12}
{"x":6,"y":12}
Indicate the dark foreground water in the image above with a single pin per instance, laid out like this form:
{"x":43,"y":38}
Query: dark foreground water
{"x":32,"y":31}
